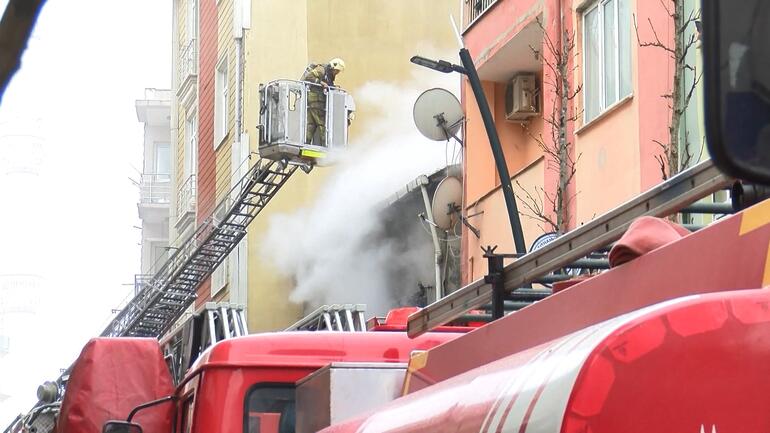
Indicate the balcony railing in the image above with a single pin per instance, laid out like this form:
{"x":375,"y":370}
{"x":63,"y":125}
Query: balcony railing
{"x":155,"y":188}
{"x":474,"y":9}
{"x":188,"y":60}
{"x":140,"y":280}
{"x":186,"y":198}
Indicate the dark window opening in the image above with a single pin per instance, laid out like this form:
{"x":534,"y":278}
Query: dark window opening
{"x":269,"y":409}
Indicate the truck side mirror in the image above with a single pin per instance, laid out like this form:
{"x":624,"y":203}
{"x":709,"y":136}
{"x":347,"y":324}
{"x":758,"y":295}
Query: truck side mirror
{"x":121,"y":427}
{"x":736,"y":55}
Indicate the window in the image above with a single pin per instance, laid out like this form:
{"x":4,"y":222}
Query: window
{"x":159,"y":252}
{"x":220,"y":103}
{"x":162,"y":161}
{"x":192,"y":20}
{"x":191,"y":145}
{"x":269,"y":409}
{"x":607,"y":55}
{"x":187,"y":415}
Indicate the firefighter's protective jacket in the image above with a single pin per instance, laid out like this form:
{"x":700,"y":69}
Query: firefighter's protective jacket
{"x":317,"y":74}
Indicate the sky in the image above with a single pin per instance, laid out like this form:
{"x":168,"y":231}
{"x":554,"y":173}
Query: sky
{"x":70,"y":142}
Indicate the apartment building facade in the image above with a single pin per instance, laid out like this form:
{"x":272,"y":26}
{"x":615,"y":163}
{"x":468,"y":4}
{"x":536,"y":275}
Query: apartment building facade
{"x":618,"y":116}
{"x":223,"y":50}
{"x":154,"y":112}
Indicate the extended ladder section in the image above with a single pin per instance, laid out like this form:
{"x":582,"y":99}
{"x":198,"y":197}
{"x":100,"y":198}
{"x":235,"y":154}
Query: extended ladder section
{"x":594,"y":263}
{"x":588,"y":240}
{"x":216,"y":322}
{"x":337,"y":317}
{"x":166,"y":296}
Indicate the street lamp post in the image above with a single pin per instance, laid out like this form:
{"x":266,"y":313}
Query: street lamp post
{"x":469,"y":70}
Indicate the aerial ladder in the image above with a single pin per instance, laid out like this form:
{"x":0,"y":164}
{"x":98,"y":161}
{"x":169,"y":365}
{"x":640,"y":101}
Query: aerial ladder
{"x":158,"y":306}
{"x":283,"y":148}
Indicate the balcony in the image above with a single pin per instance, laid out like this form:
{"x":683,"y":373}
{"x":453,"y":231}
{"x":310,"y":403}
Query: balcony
{"x":475,"y":9}
{"x":188,"y":72}
{"x":154,"y":197}
{"x":508,"y":56}
{"x":155,"y":188}
{"x":140,"y":281}
{"x":186,"y":202}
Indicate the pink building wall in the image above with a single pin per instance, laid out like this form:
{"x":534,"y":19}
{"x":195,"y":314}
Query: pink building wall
{"x":616,"y":149}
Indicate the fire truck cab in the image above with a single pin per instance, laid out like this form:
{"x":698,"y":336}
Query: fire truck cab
{"x":269,"y":383}
{"x":254,"y":383}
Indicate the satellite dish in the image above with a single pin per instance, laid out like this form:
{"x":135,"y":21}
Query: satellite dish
{"x":438,"y":114}
{"x":449,"y":191}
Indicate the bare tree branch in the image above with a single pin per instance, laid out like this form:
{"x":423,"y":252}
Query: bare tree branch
{"x":676,"y":154}
{"x":552,"y":209}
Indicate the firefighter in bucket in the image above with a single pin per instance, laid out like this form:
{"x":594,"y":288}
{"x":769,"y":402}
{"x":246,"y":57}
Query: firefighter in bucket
{"x":323,"y":77}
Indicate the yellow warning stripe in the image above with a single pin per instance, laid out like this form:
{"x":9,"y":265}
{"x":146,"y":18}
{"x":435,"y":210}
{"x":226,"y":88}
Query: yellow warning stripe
{"x":417,"y":361}
{"x":766,"y":275}
{"x":312,"y":153}
{"x":755,"y":217}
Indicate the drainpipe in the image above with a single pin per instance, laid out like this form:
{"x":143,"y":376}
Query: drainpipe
{"x":174,"y":123}
{"x":436,"y":246}
{"x":236,"y":172}
{"x":239,"y":87}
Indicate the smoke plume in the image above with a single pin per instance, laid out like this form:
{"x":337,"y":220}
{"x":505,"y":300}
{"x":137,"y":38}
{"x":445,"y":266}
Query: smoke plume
{"x":345,"y":258}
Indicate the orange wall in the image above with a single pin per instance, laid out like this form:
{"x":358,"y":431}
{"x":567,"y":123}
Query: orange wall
{"x":492,"y":220}
{"x":608,"y":169}
{"x":482,"y":188}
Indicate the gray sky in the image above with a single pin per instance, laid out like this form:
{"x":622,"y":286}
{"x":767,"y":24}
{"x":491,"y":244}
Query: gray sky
{"x":69,"y":141}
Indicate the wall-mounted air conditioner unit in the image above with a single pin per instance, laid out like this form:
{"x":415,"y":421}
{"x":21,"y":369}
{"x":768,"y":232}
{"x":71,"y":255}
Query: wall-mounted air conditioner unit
{"x":522,"y":98}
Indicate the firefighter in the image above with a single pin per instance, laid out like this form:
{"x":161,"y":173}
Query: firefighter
{"x":323,"y":76}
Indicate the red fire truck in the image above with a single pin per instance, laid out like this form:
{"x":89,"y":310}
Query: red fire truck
{"x":675,"y":340}
{"x":255,"y":375}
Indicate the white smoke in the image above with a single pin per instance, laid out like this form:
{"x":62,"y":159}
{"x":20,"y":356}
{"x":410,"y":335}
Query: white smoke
{"x":330,"y":248}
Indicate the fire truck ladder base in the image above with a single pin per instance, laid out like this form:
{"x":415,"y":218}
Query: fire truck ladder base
{"x":168,"y":294}
{"x":337,"y":317}
{"x":217,"y":321}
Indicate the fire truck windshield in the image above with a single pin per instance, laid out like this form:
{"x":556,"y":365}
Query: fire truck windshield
{"x":269,"y":408}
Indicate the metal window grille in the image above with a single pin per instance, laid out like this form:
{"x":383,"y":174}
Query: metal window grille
{"x":475,"y":8}
{"x":187,"y":196}
{"x":188,"y":60}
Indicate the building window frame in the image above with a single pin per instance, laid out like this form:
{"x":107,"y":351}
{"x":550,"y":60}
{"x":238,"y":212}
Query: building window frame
{"x":162,"y":161}
{"x":191,"y":145}
{"x":221,"y":102}
{"x":623,"y":87}
{"x":192,"y":20}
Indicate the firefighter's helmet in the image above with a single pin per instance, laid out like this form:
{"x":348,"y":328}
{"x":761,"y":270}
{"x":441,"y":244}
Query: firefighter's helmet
{"x":337,"y":64}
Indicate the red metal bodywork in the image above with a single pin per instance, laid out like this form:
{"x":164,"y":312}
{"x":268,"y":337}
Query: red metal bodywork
{"x":730,"y":254}
{"x":222,"y":376}
{"x":111,"y":377}
{"x":665,"y":343}
{"x":694,"y":364}
{"x":397,"y":318}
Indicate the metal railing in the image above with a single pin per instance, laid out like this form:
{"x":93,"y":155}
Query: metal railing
{"x":188,"y":60}
{"x":474,"y":9}
{"x":155,"y":188}
{"x":174,"y":287}
{"x":141,"y":280}
{"x":186,"y":197}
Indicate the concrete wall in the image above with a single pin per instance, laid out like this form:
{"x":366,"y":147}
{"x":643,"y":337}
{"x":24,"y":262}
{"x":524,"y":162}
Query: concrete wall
{"x":376,"y":39}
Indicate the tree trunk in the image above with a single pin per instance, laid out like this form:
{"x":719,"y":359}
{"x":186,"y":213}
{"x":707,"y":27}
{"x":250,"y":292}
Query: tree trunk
{"x":563,"y":212}
{"x":677,"y":98}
